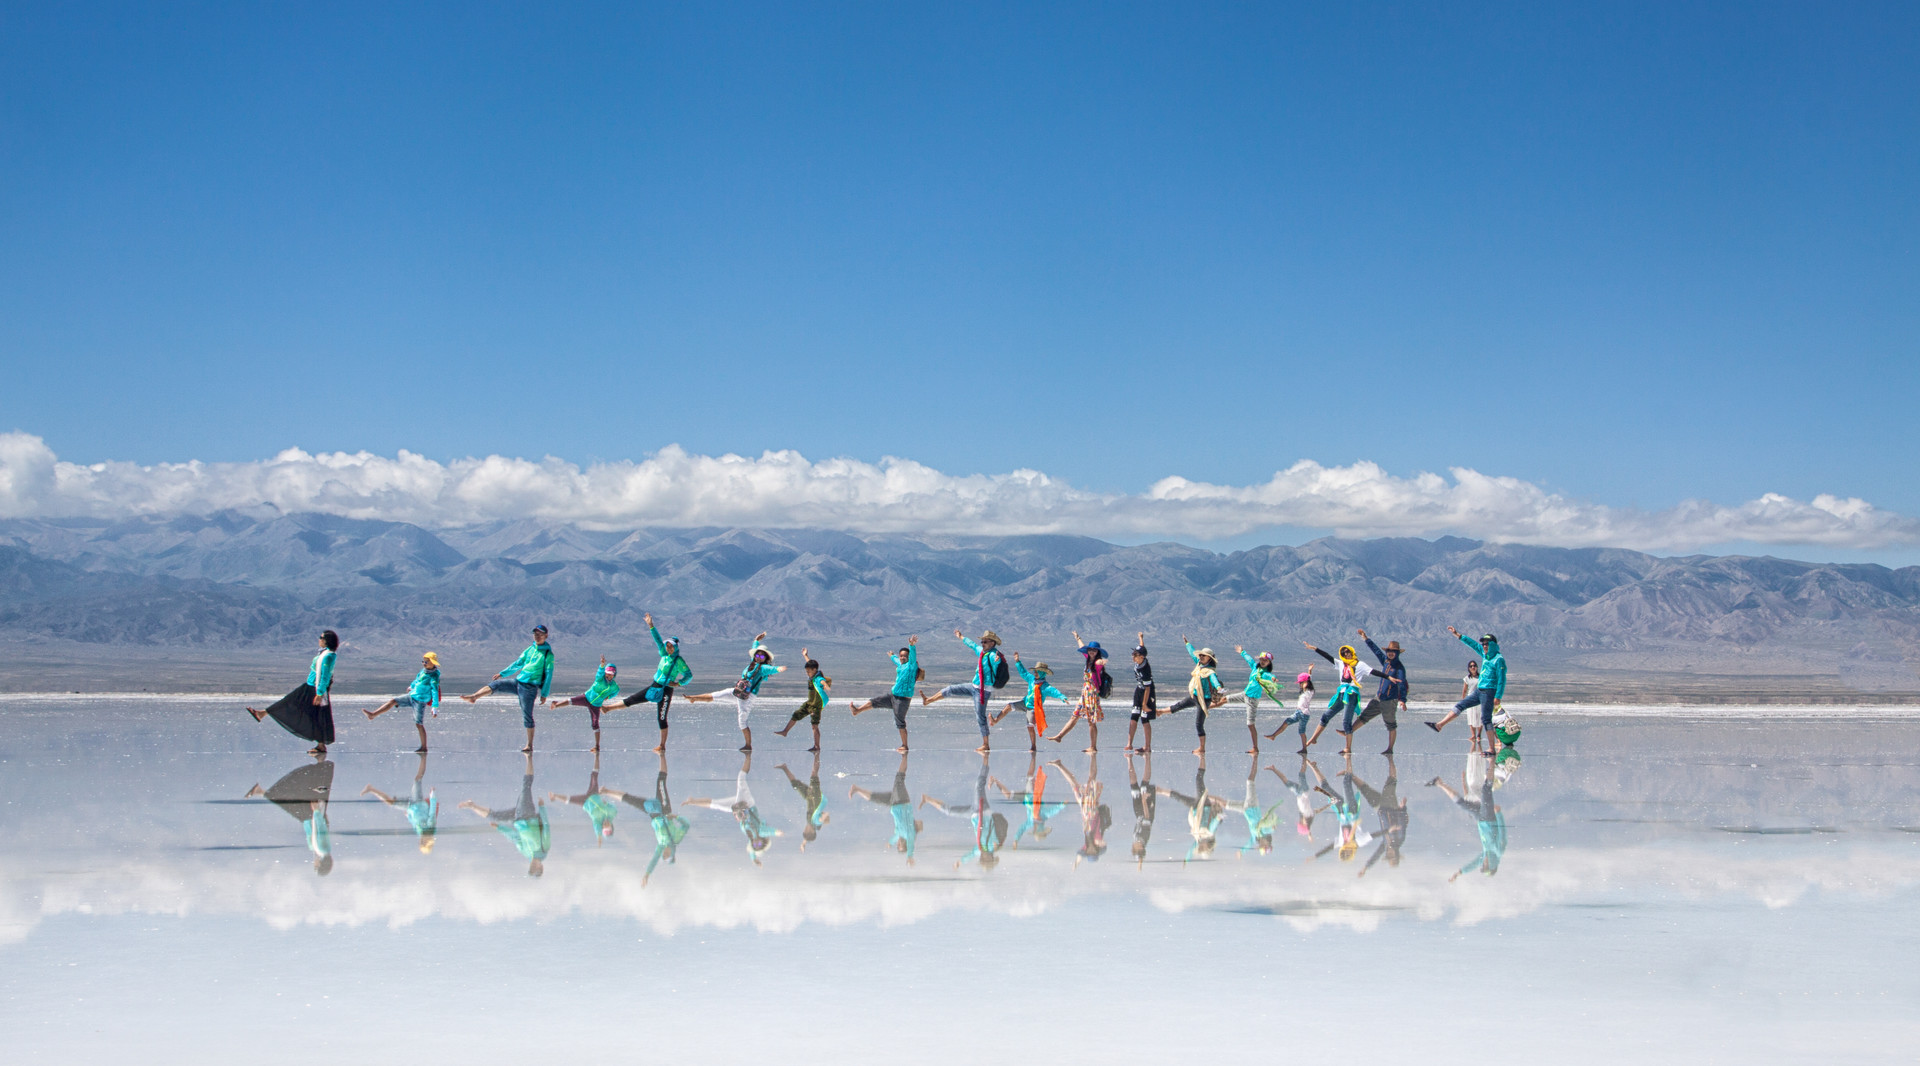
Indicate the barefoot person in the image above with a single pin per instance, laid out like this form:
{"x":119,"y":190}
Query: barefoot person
{"x":423,"y":811}
{"x":906,"y":672}
{"x":671,"y":672}
{"x":1204,"y":691}
{"x":528,"y":677}
{"x":598,"y":808}
{"x":1260,"y":685}
{"x":525,"y":823}
{"x":817,"y":686}
{"x":1468,"y":683}
{"x":746,"y":813}
{"x":1489,"y":689}
{"x":813,"y":800}
{"x":746,"y":691}
{"x":1392,"y":697}
{"x":606,"y":685}
{"x":669,"y":829}
{"x":1094,"y":684}
{"x":422,"y":696}
{"x":1302,"y":708}
{"x":1145,"y":707}
{"x":1346,"y":697}
{"x":990,"y":674}
{"x":303,"y":793}
{"x":899,"y":805}
{"x":307,"y":711}
{"x":1035,"y":703}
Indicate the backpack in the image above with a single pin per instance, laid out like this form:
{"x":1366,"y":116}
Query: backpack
{"x":1000,"y":672}
{"x":743,"y":688}
{"x":1106,"y":681}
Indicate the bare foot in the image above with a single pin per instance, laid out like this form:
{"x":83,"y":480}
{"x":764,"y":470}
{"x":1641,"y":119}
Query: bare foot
{"x":902,"y":749}
{"x":1090,"y":750}
{"x":257,"y":715}
{"x":370,"y":715}
{"x":983,"y":747}
{"x":659,"y":747}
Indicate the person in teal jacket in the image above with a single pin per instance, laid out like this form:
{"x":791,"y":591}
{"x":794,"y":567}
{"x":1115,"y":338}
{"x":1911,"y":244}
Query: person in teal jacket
{"x":528,"y":677}
{"x":423,"y":696}
{"x":525,"y":823}
{"x":986,"y":678}
{"x":606,"y":685}
{"x":1490,"y":691}
{"x":746,"y":691}
{"x":1260,"y":686}
{"x":672,"y":672}
{"x":906,"y":674}
{"x":1038,"y":690}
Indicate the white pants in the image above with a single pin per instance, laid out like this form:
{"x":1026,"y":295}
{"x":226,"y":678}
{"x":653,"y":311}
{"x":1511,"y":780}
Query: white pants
{"x":742,"y":708}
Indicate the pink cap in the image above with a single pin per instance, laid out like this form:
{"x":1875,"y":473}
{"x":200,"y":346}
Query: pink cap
{"x":1304,"y":678}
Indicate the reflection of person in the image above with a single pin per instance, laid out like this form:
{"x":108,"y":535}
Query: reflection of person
{"x":899,"y":804}
{"x":1145,"y":799}
{"x":1487,"y":818}
{"x":524,"y":823}
{"x":669,"y":829}
{"x":746,"y":691}
{"x":1034,"y":799}
{"x":1392,"y":811}
{"x":529,"y":678}
{"x":598,"y":808}
{"x":1351,"y":833}
{"x":746,"y":814}
{"x":989,"y":826}
{"x":906,"y":672}
{"x":1302,"y":796}
{"x":1095,"y":817}
{"x":421,"y":696}
{"x":303,"y":794}
{"x":1203,"y":815}
{"x":1260,"y":823}
{"x":813,"y":801}
{"x":423,"y":812}
{"x":986,"y":677}
{"x":672,"y":671}
{"x":307,"y":711}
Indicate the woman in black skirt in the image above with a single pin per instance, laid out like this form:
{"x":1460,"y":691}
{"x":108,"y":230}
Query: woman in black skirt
{"x":307,"y":712}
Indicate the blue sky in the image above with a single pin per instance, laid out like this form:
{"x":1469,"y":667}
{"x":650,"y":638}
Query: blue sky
{"x":1632,"y":254}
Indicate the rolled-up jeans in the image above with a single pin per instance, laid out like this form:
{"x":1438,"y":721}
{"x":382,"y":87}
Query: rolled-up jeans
{"x":526,"y":690}
{"x":979,"y":696}
{"x":1483,"y":697}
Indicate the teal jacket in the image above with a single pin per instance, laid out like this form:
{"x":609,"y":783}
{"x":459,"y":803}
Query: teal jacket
{"x":1260,"y":685}
{"x":673,"y":669}
{"x":755,"y":673}
{"x":989,"y":664}
{"x":817,"y":691}
{"x":905,"y":674}
{"x":1493,"y":667}
{"x":1036,"y":686}
{"x":603,"y":688}
{"x":426,"y":687}
{"x":320,"y":674}
{"x":532,"y":837}
{"x":533,"y":667}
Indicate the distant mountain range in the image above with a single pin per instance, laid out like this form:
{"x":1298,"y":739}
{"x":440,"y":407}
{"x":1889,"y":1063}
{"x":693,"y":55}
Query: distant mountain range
{"x":234,"y":580}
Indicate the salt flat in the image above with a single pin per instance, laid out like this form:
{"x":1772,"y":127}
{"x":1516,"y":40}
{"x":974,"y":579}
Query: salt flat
{"x":1709,"y":885}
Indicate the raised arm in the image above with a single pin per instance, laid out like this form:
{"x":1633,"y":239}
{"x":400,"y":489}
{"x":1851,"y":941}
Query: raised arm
{"x":1321,"y":653}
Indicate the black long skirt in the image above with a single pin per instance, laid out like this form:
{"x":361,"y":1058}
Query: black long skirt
{"x":297,"y":714}
{"x":305,"y":786}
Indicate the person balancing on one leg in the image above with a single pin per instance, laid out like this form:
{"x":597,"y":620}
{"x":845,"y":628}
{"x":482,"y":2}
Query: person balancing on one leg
{"x":1038,"y":689}
{"x":606,"y":685}
{"x":989,"y":675}
{"x":817,"y":686}
{"x":672,"y":671}
{"x":423,"y":695}
{"x":1094,"y":684}
{"x":906,"y":672}
{"x":746,"y":691}
{"x":1392,"y":697}
{"x":528,"y":677}
{"x":1260,"y":685}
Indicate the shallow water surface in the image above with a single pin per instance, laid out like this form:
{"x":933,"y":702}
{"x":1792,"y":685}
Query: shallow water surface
{"x":1701,"y":887}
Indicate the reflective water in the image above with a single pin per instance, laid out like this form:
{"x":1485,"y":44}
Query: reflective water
{"x":1722,"y":887}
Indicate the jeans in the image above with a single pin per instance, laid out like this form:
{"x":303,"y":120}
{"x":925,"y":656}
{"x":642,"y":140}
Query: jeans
{"x":1483,"y":697}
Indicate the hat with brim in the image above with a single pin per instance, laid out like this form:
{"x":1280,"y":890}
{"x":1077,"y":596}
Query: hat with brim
{"x":1393,"y":645}
{"x":989,"y":635}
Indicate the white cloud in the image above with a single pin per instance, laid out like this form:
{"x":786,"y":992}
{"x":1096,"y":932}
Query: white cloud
{"x":784,"y":489}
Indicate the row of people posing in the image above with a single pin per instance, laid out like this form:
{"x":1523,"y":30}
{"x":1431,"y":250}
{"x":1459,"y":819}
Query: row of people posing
{"x":307,"y":711}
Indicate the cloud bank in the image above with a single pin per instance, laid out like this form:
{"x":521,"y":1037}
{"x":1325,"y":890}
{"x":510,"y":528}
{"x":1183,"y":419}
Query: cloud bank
{"x":674,"y":487}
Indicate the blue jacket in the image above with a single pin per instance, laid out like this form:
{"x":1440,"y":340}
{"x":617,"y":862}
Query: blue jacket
{"x":1493,"y":667}
{"x":426,"y":687}
{"x":673,"y":669}
{"x":989,"y":665}
{"x":757,"y":672}
{"x":320,"y":674}
{"x":1036,"y":685}
{"x":1394,"y":685}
